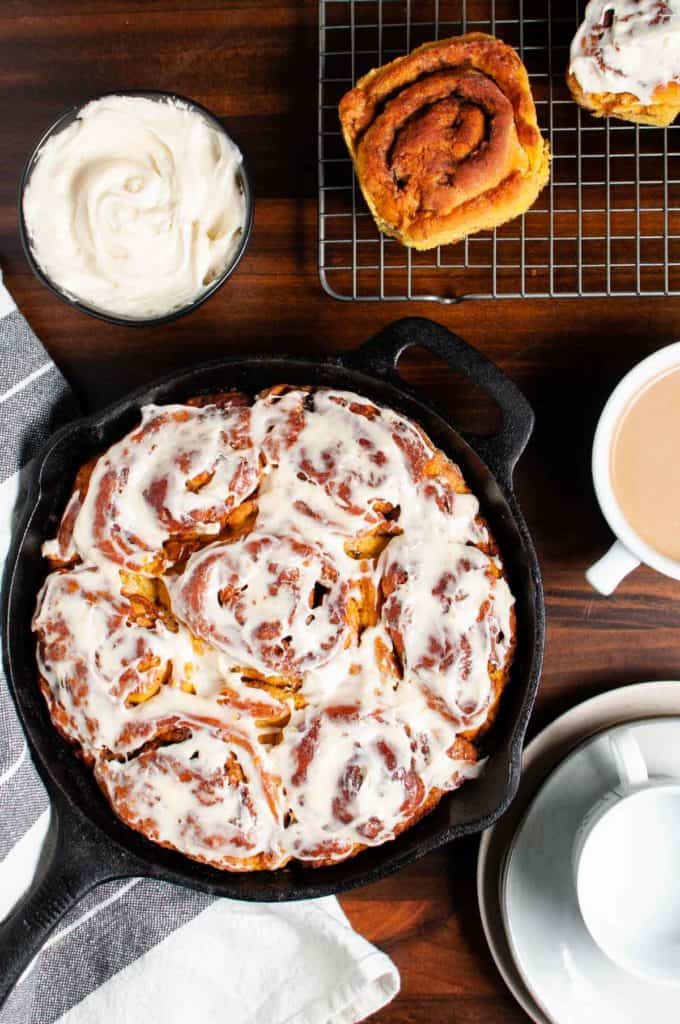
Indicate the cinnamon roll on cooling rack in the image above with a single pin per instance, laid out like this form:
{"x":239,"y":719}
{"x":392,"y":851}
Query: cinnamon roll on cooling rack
{"x":275,"y":628}
{"x":625,"y":60}
{"x":445,"y":140}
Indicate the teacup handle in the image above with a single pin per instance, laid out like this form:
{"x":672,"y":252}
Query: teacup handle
{"x":630,"y":764}
{"x":606,"y":574}
{"x":632,"y":771}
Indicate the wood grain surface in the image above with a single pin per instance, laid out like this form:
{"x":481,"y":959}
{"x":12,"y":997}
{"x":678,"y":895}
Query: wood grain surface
{"x":254,"y":64}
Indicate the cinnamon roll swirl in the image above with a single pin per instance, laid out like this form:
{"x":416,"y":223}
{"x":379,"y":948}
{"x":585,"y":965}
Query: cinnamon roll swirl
{"x":445,"y":140}
{"x":352,"y":466}
{"x":371,"y":788}
{"x":357,"y":778}
{"x":276,"y":604}
{"x":625,"y":60}
{"x":450,"y":615}
{"x":207,"y":794}
{"x":274,"y":627}
{"x":116,"y":667}
{"x":177,"y":478}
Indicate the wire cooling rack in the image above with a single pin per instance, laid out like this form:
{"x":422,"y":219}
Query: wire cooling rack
{"x":608,"y":223}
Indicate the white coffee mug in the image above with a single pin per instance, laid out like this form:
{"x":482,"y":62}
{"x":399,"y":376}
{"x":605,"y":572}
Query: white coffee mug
{"x":629,"y":550}
{"x":626,"y":859}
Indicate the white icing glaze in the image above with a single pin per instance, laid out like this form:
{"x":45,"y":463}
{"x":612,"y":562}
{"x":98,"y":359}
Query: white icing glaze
{"x":145,"y":488}
{"x":378,"y":731}
{"x":276,"y":604}
{"x":135,"y":208}
{"x":350,"y":777}
{"x":450,"y":617}
{"x":95,"y":660}
{"x":183,"y":794}
{"x":358,"y":677}
{"x":337,"y":456}
{"x":630,"y":46}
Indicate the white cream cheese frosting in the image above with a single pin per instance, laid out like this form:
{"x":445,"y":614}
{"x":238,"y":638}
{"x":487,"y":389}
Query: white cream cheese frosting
{"x":627,"y":46}
{"x":136,"y":207}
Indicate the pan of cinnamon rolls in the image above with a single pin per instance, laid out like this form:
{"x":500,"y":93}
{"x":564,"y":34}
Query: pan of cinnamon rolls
{"x":275,"y":626}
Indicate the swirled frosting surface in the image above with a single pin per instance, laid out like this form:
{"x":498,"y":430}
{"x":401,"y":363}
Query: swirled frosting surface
{"x":136,"y":207}
{"x":299,"y":682}
{"x":627,"y":46}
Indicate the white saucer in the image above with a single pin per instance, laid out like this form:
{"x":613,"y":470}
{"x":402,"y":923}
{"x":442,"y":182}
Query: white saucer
{"x":644,"y":700}
{"x":568,"y":974}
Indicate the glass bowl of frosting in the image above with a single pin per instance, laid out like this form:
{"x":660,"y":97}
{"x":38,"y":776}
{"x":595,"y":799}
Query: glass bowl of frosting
{"x":135,"y":207}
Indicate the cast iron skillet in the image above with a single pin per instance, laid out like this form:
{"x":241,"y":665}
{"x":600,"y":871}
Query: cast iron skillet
{"x":90,"y":844}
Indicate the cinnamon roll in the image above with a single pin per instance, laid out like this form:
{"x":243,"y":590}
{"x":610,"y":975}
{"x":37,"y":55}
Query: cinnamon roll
{"x":352,"y":466}
{"x":625,"y":60}
{"x":275,"y":604}
{"x":115,"y":667}
{"x":274,"y":627}
{"x":450,"y":615}
{"x":380,"y":772}
{"x":372,"y":787}
{"x":207,"y":794}
{"x":179,"y":477}
{"x":445,"y":140}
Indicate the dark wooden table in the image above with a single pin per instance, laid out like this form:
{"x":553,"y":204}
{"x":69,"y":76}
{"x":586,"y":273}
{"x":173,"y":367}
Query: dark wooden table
{"x":255,"y":65}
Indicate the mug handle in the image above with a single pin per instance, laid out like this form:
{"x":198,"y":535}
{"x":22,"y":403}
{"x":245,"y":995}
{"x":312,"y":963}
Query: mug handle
{"x":630,"y":764}
{"x":606,"y":574}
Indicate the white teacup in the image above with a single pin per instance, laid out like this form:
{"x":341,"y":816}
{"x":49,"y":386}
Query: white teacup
{"x":627,"y":868}
{"x":629,"y":550}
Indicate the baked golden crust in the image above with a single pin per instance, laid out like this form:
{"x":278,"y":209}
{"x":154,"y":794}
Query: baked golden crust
{"x":661,"y":112}
{"x":445,"y":140}
{"x":238,"y":805}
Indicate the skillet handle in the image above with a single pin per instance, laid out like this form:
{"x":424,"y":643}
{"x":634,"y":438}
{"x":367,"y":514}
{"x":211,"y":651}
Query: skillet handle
{"x":78,"y":859}
{"x":380,"y":357}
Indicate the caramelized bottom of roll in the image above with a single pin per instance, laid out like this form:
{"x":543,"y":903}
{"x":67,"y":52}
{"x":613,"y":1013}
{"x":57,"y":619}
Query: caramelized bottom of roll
{"x":624,"y":106}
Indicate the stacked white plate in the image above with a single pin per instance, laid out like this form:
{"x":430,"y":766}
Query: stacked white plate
{"x":525,"y":877}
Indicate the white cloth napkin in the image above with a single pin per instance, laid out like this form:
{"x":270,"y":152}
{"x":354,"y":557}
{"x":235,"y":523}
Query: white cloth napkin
{"x":141,"y":950}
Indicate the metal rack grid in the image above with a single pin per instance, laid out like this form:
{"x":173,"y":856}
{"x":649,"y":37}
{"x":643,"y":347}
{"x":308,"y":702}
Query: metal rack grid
{"x":608,"y":223}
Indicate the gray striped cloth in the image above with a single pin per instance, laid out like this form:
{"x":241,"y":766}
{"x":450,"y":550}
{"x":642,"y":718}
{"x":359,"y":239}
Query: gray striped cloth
{"x":138,"y":949}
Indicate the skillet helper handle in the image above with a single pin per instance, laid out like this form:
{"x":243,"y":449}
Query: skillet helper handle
{"x":380,"y":357}
{"x":72,"y":867}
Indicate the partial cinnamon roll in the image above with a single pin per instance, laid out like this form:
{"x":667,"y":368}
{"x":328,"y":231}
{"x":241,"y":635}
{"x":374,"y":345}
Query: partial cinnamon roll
{"x":625,"y":61}
{"x":352,"y":467}
{"x":445,"y":140}
{"x":372,"y":788}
